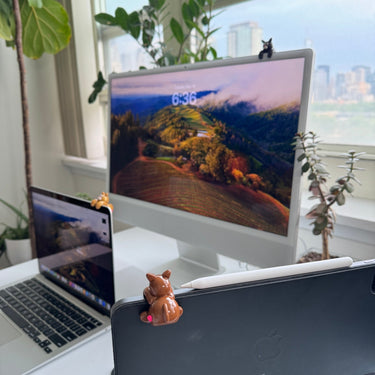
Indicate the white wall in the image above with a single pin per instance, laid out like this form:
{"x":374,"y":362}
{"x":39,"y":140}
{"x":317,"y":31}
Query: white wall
{"x":45,"y":129}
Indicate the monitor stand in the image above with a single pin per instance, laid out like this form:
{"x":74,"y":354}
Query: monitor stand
{"x":191,"y":264}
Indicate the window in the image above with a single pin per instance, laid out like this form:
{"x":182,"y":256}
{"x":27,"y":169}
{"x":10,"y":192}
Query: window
{"x":341,"y":32}
{"x":120,"y":52}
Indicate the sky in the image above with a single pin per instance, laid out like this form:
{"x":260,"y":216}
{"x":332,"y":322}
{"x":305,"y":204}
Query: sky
{"x":342,"y":32}
{"x":88,"y":217}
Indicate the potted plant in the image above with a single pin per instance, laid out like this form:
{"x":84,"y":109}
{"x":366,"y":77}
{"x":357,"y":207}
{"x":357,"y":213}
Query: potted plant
{"x":15,"y":239}
{"x":322,"y":214}
{"x":48,"y":31}
{"x":145,"y":27}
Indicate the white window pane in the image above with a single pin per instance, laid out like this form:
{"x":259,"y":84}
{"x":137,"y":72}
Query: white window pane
{"x":128,"y":5}
{"x":342,"y":34}
{"x":123,"y":53}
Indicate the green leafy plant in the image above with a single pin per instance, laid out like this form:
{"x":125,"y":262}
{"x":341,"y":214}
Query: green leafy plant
{"x":145,"y":27}
{"x":32,"y":27}
{"x":47,"y":31}
{"x":322,"y":214}
{"x":18,"y":232}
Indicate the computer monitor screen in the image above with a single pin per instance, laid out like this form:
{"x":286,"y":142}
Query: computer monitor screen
{"x":203,"y":153}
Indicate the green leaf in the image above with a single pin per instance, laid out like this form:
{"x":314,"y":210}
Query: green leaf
{"x":321,"y":222}
{"x":45,"y":30}
{"x":18,"y":212}
{"x":312,"y":176}
{"x":6,"y":28}
{"x":335,"y":188}
{"x":98,"y":86}
{"x":122,"y":18}
{"x":305,"y":167}
{"x":205,"y":21}
{"x":194,"y":8}
{"x":340,"y":199}
{"x":177,"y":30}
{"x":187,"y":15}
{"x":148,"y":33}
{"x":316,"y":231}
{"x":185,"y":59}
{"x":212,"y":31}
{"x":6,"y":7}
{"x":213,"y":52}
{"x":36,"y":3}
{"x":157,"y":4}
{"x":134,"y":25}
{"x":106,"y":19}
{"x":301,"y":157}
{"x":200,"y":31}
{"x":321,"y":208}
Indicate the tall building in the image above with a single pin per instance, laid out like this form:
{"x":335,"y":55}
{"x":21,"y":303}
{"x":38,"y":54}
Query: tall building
{"x":324,"y":69}
{"x":244,"y":39}
{"x":355,"y":85}
{"x":322,"y":87}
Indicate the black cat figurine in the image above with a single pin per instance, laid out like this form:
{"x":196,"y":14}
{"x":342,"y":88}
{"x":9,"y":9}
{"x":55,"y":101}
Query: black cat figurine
{"x":267,"y":48}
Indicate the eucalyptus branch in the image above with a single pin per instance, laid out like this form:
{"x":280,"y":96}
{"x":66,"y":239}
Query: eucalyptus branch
{"x":322,"y":214}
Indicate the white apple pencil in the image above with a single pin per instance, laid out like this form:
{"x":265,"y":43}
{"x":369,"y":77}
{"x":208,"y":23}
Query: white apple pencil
{"x":269,"y":273}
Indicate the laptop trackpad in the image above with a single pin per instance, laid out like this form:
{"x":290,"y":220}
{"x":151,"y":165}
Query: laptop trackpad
{"x":8,"y":332}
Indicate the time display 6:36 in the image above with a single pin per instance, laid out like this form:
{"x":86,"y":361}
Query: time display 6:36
{"x":184,"y":98}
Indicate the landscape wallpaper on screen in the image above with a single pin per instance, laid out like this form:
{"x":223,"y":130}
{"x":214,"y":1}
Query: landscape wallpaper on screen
{"x":214,"y":142}
{"x":73,"y":242}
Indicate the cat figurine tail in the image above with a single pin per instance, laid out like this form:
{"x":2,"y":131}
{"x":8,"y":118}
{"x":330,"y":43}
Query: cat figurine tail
{"x":163,"y":308}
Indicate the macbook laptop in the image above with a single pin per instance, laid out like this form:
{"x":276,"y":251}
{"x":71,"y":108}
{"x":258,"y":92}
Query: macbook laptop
{"x":312,"y":324}
{"x":69,"y":301}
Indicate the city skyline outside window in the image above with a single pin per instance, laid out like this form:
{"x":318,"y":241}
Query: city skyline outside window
{"x":341,"y":32}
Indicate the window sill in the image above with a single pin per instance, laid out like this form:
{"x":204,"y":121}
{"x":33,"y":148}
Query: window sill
{"x":94,"y":168}
{"x":355,"y":220}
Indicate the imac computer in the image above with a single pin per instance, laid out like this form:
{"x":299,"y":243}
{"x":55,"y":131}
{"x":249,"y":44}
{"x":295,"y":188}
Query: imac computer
{"x":203,"y":153}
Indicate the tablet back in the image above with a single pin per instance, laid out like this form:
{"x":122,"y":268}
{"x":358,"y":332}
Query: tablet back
{"x":312,"y":325}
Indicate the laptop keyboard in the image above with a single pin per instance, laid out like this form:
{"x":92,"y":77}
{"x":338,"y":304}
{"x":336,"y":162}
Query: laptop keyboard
{"x":44,"y":315}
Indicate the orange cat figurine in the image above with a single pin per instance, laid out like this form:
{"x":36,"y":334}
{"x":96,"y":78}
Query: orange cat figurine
{"x":102,"y":200}
{"x":163,"y":307}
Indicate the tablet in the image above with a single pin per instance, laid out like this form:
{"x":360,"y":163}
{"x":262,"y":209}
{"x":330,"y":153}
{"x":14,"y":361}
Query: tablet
{"x":322,"y":323}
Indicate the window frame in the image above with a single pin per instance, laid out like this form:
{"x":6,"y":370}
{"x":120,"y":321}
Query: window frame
{"x":90,"y":62}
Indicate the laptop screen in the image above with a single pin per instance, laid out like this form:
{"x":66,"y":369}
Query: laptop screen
{"x":74,"y":246}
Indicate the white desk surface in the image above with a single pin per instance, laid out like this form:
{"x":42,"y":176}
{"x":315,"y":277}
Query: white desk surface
{"x":131,"y":247}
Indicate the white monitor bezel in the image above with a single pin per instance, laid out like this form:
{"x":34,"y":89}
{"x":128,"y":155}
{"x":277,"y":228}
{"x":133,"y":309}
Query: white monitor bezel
{"x":267,"y":249}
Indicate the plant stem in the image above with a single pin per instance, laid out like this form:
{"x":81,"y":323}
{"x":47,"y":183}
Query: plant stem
{"x":25,"y":119}
{"x":325,"y":252}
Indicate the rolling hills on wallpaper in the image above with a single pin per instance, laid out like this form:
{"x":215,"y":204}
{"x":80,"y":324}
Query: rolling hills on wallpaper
{"x":226,"y":154}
